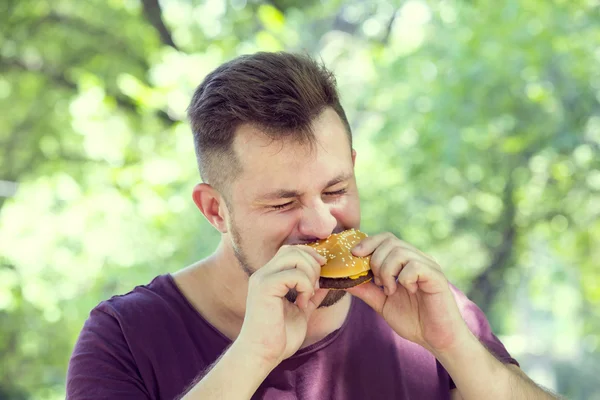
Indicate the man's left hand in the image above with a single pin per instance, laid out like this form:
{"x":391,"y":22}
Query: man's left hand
{"x":411,"y":292}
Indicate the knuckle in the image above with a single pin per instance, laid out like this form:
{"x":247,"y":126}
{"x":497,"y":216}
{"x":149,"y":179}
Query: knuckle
{"x":390,"y":242}
{"x":375,"y":262}
{"x":396,"y":253}
{"x":388,"y":239}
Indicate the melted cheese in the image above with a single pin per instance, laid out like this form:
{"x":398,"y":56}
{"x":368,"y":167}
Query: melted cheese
{"x":358,"y":275}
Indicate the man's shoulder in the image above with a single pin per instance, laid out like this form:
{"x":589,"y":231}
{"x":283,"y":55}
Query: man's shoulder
{"x":137,"y":343}
{"x":146,"y":316}
{"x":147,"y":301}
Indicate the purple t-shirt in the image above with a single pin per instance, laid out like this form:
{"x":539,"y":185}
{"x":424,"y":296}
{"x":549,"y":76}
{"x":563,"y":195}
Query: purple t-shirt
{"x":151,"y":343}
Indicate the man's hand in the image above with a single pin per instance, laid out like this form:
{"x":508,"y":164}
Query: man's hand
{"x":415,"y":300}
{"x":274,"y":328}
{"x":417,"y":303}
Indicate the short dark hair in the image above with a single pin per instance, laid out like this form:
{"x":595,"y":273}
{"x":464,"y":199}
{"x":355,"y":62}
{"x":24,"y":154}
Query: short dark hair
{"x":278,"y":93}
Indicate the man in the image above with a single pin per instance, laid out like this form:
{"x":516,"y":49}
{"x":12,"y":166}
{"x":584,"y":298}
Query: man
{"x":275,"y":154}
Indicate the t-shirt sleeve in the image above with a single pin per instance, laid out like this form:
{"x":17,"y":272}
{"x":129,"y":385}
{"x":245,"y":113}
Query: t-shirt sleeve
{"x":101,"y":365}
{"x":479,"y":325}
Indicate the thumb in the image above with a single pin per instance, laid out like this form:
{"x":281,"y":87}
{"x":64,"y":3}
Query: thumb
{"x":315,"y":301}
{"x":371,"y":294}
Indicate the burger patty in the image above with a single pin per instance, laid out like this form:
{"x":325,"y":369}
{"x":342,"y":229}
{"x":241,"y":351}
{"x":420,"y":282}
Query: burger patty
{"x":343,"y":283}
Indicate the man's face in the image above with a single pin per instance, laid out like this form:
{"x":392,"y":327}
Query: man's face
{"x":287,"y":194}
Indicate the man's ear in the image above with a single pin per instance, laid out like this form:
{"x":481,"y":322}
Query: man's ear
{"x":353,"y":157}
{"x":211,"y":203}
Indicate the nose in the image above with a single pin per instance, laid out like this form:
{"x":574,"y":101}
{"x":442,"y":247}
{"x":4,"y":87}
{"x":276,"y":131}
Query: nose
{"x":317,"y":221}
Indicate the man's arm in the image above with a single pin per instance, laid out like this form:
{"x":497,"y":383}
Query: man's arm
{"x":236,"y":375}
{"x":417,"y":301}
{"x":479,"y":375}
{"x":273,"y":328}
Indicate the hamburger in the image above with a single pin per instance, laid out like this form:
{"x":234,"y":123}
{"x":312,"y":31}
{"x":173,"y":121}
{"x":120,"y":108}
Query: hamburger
{"x":342,"y":270}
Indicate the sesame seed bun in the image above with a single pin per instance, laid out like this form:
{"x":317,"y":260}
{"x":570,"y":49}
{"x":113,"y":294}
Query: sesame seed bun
{"x":342,"y":270}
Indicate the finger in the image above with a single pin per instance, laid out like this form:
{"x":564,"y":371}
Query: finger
{"x":314,"y":265}
{"x":382,"y":251}
{"x":410,"y":247}
{"x":287,"y":259}
{"x":395,"y":261}
{"x":279,"y":284}
{"x":367,"y":245}
{"x":313,"y":252}
{"x":390,"y":269}
{"x":378,"y":256}
{"x":316,"y":300}
{"x":370,"y":294}
{"x":310,"y":267}
{"x":293,"y":258}
{"x":420,"y":276}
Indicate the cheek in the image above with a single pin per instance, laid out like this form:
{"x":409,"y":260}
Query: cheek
{"x":267,"y":235}
{"x":347,"y":209}
{"x":274,"y":229}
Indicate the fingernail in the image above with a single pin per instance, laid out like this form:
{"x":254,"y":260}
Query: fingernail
{"x":377,"y":282}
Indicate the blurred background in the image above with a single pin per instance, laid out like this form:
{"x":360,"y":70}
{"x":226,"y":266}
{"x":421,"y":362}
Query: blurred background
{"x":477,"y":127}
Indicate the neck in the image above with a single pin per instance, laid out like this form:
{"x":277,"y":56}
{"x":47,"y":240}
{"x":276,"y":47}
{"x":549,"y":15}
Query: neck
{"x":217,"y":287}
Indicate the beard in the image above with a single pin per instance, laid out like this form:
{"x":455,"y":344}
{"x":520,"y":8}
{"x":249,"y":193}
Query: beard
{"x":332,"y":297}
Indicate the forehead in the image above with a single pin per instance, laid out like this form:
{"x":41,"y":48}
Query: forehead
{"x":269,"y":164}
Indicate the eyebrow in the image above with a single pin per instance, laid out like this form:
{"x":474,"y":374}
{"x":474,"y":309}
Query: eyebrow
{"x":289,"y":194}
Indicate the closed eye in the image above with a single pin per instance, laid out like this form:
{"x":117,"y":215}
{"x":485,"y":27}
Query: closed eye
{"x":337,"y":192}
{"x":281,"y":206}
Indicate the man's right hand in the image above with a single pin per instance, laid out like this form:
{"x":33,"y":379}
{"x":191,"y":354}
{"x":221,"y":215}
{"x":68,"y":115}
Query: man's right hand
{"x":274,"y":328}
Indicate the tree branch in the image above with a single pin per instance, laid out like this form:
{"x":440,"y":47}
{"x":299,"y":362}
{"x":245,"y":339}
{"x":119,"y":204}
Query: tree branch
{"x":123,"y":102}
{"x":484,"y":289}
{"x":9,"y":171}
{"x":385,"y":40}
{"x":153,"y":14}
{"x":2,"y":202}
{"x":277,"y":6}
{"x":100,"y":36}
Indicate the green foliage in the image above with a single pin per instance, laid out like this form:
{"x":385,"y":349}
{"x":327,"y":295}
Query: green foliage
{"x":476,"y":125}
